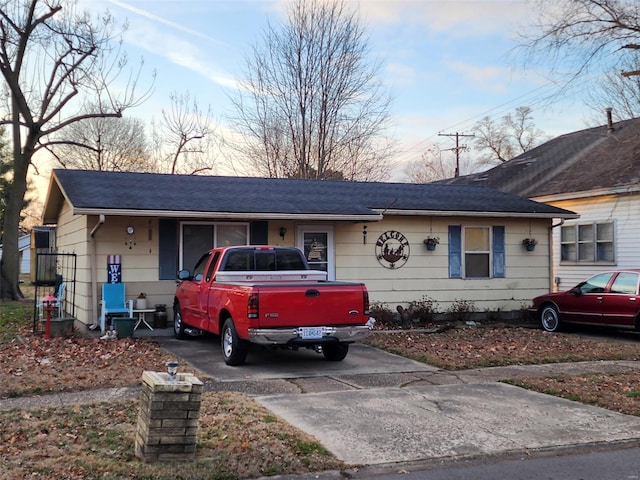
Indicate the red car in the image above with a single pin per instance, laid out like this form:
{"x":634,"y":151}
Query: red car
{"x":607,"y":299}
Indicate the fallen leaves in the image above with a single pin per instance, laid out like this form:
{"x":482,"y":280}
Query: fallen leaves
{"x":35,"y":365}
{"x":473,"y":347}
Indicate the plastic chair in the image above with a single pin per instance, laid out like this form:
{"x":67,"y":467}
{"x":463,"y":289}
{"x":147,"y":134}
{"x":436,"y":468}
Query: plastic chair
{"x":114,"y":303}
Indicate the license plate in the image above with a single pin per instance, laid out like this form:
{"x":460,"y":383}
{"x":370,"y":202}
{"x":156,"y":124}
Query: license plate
{"x":311,"y":333}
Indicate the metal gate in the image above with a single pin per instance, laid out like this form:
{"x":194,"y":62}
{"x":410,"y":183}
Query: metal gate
{"x":56,"y":274}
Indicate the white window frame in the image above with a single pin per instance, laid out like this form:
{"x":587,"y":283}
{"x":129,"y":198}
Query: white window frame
{"x":466,"y":252}
{"x":595,"y":244}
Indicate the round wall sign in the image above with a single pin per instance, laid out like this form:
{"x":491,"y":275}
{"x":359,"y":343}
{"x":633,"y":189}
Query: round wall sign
{"x":392,"y":249}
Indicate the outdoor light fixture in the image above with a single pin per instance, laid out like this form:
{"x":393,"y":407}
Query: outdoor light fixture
{"x":172,"y":370}
{"x":283,"y":232}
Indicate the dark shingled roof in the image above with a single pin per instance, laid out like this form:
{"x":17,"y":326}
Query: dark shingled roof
{"x":94,"y":192}
{"x":582,"y":161}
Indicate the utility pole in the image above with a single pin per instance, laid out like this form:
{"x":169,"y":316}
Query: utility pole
{"x":457,"y":148}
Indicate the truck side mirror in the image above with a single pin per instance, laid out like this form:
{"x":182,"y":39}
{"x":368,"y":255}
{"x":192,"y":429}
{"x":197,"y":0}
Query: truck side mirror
{"x":184,"y":275}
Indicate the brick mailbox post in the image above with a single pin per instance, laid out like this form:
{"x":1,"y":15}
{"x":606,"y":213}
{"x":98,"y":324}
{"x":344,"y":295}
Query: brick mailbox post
{"x":168,"y":417}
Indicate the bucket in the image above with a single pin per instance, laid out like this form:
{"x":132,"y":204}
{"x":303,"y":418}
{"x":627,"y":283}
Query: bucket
{"x":160,"y":320}
{"x":124,"y":326}
{"x":160,"y":316}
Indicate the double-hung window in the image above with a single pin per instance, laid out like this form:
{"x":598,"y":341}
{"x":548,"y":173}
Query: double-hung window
{"x":587,"y":243}
{"x":476,"y":252}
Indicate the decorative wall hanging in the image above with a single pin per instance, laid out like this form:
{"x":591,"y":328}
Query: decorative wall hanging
{"x":392,"y":249}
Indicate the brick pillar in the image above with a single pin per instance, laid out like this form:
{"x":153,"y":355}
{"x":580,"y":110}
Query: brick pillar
{"x":168,"y":417}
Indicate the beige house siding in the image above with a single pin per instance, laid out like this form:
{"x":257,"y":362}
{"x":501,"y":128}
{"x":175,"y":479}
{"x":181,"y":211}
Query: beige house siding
{"x":624,"y":211}
{"x":427,"y":272}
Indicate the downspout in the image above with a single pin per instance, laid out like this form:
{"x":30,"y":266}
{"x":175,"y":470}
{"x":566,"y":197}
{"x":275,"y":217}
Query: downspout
{"x":94,"y":271}
{"x":552,"y":279}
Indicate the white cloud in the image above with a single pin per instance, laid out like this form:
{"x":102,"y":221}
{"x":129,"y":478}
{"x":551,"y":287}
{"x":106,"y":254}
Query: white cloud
{"x":456,"y":17}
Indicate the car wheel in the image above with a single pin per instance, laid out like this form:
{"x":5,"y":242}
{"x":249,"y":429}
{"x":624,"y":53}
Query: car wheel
{"x":335,"y":352}
{"x":178,"y":324}
{"x":550,"y":319}
{"x":234,"y":349}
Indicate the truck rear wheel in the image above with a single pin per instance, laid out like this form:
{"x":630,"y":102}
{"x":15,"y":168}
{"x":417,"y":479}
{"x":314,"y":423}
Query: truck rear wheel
{"x":335,"y":352}
{"x":234,"y":349}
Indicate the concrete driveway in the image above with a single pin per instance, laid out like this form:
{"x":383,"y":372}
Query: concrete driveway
{"x":376,"y":408}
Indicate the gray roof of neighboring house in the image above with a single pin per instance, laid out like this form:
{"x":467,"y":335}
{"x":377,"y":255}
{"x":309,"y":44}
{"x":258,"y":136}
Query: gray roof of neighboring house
{"x":587,"y":160}
{"x":123,"y":193}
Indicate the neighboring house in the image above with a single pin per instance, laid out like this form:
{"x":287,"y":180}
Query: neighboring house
{"x":24,"y":251}
{"x":593,"y":172}
{"x":156,"y":224}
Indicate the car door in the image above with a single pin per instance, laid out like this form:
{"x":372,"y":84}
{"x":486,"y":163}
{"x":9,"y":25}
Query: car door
{"x":621,"y":302}
{"x":584,"y":303}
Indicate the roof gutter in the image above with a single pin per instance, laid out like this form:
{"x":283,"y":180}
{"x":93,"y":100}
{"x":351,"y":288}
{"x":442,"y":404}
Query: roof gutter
{"x":464,"y":213}
{"x":373,"y":217}
{"x":601,"y":192}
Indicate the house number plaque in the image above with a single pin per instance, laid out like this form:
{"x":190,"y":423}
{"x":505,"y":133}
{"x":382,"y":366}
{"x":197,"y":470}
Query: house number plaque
{"x":392,"y":249}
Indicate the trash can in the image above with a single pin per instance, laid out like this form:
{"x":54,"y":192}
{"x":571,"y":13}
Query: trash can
{"x":124,"y":326}
{"x":160,"y":316}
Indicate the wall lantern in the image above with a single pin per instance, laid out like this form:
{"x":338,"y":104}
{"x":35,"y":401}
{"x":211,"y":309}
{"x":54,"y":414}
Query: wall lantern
{"x":283,"y":232}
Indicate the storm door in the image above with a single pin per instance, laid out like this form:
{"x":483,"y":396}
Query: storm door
{"x":316,"y":241}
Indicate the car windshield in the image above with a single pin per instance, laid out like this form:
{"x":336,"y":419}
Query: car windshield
{"x":595,"y":284}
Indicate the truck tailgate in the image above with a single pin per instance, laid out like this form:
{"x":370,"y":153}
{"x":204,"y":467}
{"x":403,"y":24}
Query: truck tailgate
{"x":310,"y":304}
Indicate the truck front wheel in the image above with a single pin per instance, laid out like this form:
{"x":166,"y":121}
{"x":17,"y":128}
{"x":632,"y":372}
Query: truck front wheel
{"x":234,"y":349}
{"x":178,"y":325}
{"x":335,"y":352}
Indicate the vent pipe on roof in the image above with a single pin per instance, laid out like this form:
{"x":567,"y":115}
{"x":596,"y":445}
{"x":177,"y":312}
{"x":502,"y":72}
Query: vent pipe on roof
{"x":609,"y":119}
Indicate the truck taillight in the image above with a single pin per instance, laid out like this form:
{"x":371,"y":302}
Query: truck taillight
{"x":253,"y":306}
{"x":365,"y":300}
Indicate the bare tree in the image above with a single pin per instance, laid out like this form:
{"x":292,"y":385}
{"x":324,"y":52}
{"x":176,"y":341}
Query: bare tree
{"x":433,"y":165}
{"x":514,"y":134}
{"x":579,"y":35}
{"x":617,"y":91}
{"x":104,"y":144}
{"x":311,"y":105}
{"x":430,"y":167}
{"x":183,"y":142}
{"x":50,"y":54}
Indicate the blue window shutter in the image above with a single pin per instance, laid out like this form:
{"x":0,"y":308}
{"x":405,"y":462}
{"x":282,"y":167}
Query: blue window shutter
{"x":455,"y":251}
{"x":498,"y":252}
{"x":259,"y":233}
{"x":168,"y":248}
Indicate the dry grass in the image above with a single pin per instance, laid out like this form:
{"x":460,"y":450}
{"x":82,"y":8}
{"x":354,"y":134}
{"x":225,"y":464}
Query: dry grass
{"x":236,"y":439}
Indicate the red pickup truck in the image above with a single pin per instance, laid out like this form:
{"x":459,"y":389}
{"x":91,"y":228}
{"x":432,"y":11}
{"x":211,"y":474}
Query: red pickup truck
{"x":268,"y":296}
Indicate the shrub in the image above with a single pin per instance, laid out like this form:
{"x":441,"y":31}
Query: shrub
{"x":385,"y":318}
{"x":421,"y":312}
{"x":461,"y":310}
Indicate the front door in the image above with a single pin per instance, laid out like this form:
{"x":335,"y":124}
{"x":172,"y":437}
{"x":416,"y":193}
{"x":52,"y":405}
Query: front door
{"x":316,"y":241}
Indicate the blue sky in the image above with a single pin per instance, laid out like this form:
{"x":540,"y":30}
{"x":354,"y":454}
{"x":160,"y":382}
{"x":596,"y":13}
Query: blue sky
{"x":447,"y":63}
